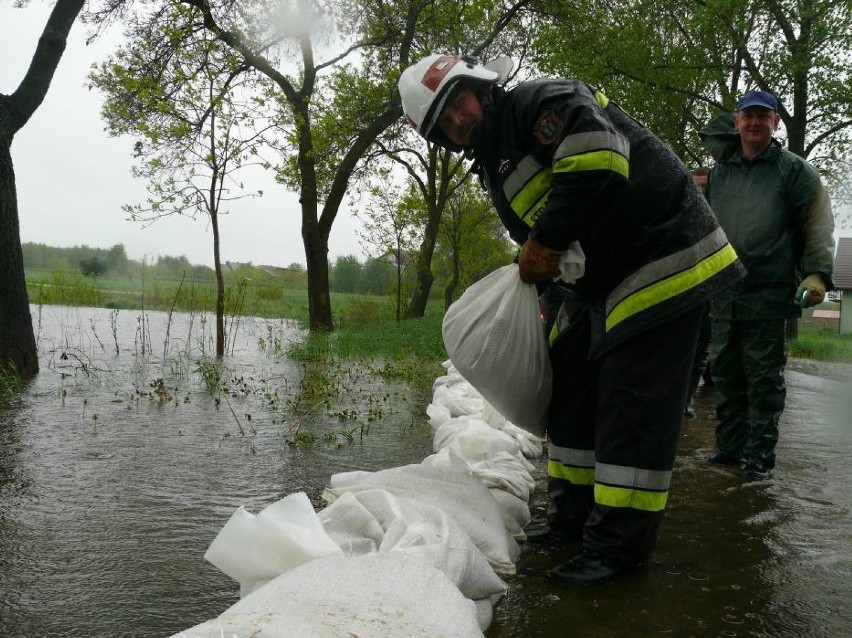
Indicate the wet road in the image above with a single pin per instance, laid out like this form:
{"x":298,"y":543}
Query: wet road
{"x":760,"y":559}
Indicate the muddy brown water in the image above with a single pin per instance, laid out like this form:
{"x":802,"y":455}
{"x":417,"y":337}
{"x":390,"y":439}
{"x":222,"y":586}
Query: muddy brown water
{"x":109,"y":495}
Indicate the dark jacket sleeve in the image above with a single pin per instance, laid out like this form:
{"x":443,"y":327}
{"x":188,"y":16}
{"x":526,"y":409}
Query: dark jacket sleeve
{"x":589,"y":158}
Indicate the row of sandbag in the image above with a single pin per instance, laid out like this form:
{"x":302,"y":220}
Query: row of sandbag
{"x":415,"y":550}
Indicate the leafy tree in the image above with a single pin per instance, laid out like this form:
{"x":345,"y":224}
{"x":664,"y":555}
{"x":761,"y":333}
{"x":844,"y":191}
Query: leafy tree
{"x":434,"y":174}
{"x":472,"y":241}
{"x":116,"y":259}
{"x":675,"y":62}
{"x":92,"y":266}
{"x":346,"y":274}
{"x":194,"y":134}
{"x":17,"y":339}
{"x":391,"y":231}
{"x":378,"y":277}
{"x":333,"y":109}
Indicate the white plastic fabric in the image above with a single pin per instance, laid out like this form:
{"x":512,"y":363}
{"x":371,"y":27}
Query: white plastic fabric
{"x":461,"y":496}
{"x":378,"y":595}
{"x":255,"y":549}
{"x":495,"y":338}
{"x":572,"y":264}
{"x":418,"y":529}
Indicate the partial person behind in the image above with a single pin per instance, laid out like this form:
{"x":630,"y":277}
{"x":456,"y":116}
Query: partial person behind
{"x":777,"y":214}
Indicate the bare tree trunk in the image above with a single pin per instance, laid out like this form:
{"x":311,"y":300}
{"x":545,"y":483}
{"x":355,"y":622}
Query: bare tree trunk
{"x":424,"y":276}
{"x":220,"y":287}
{"x":450,"y":289}
{"x":17,"y":339}
{"x":319,"y":301}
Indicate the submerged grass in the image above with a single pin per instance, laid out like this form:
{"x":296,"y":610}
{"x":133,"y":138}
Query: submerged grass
{"x":412,"y":349}
{"x":11,"y":384}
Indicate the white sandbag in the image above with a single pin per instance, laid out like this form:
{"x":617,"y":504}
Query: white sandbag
{"x":457,"y":400}
{"x":516,"y":512}
{"x":418,"y":529}
{"x":354,"y":528}
{"x":461,"y":496}
{"x":254,"y":549}
{"x":378,"y":595}
{"x":495,"y":338}
{"x":438,"y":415}
{"x":500,"y":470}
{"x":473,"y":439}
{"x":484,"y":612}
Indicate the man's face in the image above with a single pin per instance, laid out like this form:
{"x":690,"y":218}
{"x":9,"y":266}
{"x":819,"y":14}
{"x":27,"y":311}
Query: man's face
{"x":460,"y":117}
{"x":756,"y":125}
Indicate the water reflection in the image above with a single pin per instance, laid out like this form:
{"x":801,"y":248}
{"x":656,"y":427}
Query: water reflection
{"x":735,"y":558}
{"x":110,"y":494}
{"x":104,"y":521}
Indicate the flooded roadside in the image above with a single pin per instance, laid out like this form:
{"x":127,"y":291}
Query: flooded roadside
{"x":104,"y":521}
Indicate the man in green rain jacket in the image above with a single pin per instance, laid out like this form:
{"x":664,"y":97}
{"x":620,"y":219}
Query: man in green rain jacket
{"x":777,"y":215}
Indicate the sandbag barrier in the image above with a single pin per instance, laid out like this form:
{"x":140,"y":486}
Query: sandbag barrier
{"x":415,"y":550}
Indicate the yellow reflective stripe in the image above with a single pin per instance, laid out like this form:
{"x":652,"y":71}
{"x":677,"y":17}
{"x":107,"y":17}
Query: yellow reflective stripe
{"x":631,"y":497}
{"x":527,"y":189}
{"x":666,"y":266}
{"x":575,"y":475}
{"x":669,"y":287}
{"x":594,"y":161}
{"x":577,"y":143}
{"x":554,"y":333}
{"x":602,"y":99}
{"x":529,"y":202}
{"x":525,"y":172}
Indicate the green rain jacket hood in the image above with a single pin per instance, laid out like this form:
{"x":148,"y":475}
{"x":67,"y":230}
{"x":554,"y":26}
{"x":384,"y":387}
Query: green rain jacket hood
{"x":776,"y":214}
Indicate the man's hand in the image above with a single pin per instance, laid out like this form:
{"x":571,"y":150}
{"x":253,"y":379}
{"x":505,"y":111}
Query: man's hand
{"x":538,"y":263}
{"x":811,"y":291}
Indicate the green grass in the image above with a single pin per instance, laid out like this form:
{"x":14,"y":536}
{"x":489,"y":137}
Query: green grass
{"x":11,"y":384}
{"x":365,"y":324}
{"x":822,"y":346}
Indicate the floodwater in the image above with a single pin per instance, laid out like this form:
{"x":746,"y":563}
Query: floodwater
{"x":117,"y":470}
{"x":769,"y":559}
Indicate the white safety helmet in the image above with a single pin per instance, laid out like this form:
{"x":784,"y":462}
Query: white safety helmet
{"x":426,"y":86}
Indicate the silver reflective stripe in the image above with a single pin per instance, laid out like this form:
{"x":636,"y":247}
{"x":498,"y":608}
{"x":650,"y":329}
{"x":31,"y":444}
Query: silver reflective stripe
{"x":526,"y":170}
{"x":579,"y":143}
{"x":623,"y":476}
{"x":665,"y":267}
{"x":571,"y":456}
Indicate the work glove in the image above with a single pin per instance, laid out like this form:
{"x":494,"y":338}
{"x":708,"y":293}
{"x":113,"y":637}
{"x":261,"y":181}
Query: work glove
{"x":811,"y":291}
{"x":538,"y":263}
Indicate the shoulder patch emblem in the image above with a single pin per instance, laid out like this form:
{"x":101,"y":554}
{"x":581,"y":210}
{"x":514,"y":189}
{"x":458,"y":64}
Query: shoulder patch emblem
{"x":547,"y":127}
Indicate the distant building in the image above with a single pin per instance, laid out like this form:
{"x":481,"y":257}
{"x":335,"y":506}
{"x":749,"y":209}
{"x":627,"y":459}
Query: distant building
{"x":843,"y":281}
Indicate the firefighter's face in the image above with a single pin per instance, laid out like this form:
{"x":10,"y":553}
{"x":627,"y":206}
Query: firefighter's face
{"x":461,"y":116}
{"x":756,"y":125}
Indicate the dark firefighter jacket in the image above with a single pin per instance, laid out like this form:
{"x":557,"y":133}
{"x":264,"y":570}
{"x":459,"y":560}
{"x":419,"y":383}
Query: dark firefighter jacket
{"x":563,"y":163}
{"x":776,"y":214}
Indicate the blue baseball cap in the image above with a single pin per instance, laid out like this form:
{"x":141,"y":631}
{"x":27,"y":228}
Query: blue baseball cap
{"x":758,"y":98}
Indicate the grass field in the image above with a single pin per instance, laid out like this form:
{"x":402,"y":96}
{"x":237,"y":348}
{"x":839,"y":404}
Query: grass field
{"x":365,"y":323}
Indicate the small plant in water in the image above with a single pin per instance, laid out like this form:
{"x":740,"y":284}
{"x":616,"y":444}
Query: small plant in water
{"x":211,"y":374}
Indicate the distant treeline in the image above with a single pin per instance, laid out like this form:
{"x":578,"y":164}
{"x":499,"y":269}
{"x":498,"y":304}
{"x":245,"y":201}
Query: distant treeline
{"x":347,"y":274}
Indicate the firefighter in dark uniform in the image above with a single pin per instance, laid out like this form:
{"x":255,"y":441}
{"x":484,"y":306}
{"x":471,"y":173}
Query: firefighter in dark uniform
{"x":562,"y":163}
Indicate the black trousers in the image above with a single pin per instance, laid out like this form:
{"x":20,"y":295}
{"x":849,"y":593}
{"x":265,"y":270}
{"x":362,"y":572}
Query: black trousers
{"x":613,"y":429}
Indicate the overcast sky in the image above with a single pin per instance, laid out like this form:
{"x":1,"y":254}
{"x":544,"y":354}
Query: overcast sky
{"x":72,"y":178}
